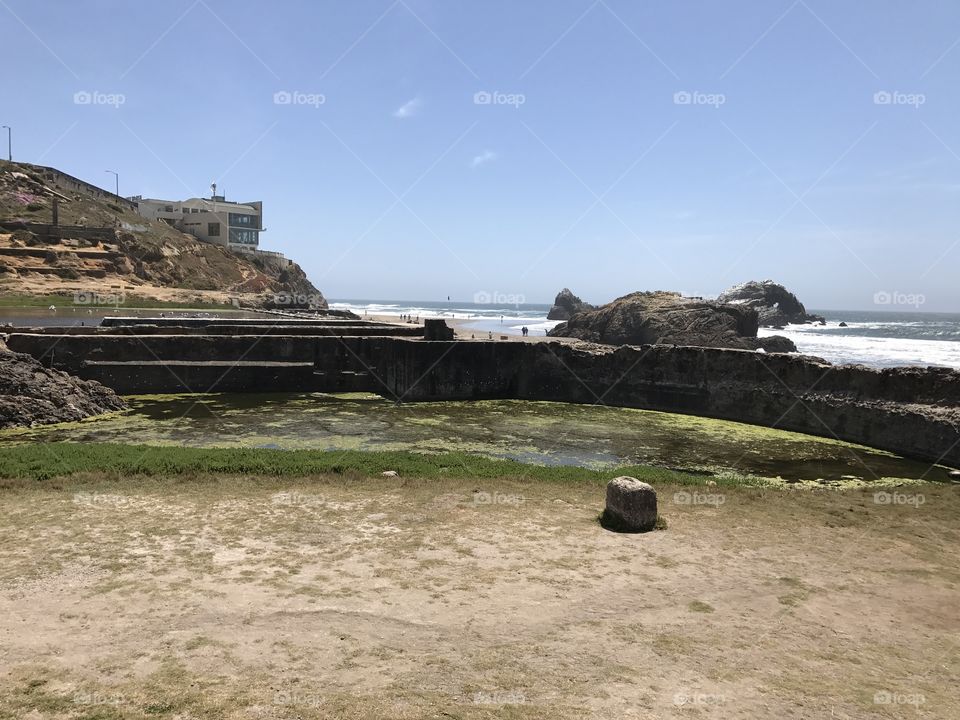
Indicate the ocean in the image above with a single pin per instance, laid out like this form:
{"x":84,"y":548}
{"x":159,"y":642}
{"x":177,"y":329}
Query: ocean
{"x":877,"y":339}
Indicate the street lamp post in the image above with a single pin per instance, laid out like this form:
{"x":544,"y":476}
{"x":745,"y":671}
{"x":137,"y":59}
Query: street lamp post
{"x":9,"y":142}
{"x":116,"y":177}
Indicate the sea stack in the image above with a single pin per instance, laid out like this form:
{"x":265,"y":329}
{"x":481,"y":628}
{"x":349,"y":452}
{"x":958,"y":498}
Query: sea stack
{"x":566,"y":305}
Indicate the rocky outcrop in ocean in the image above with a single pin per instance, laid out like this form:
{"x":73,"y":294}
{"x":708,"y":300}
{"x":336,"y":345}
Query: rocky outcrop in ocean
{"x":775,"y":305}
{"x":566,"y":305}
{"x":31,"y":394}
{"x":668,"y":318}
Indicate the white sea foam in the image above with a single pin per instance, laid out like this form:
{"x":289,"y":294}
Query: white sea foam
{"x":874,"y":351}
{"x":883,"y":342}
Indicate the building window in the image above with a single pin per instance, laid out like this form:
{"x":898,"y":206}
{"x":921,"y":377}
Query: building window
{"x":168,"y":208}
{"x":243,"y":237}
{"x":242,"y":220}
{"x":213,"y":229}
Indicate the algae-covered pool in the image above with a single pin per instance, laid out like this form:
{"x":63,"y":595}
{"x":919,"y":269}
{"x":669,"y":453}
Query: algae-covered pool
{"x":536,"y":432}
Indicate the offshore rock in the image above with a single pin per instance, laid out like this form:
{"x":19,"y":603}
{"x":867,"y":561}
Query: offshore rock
{"x":665,"y":318}
{"x":777,"y":344}
{"x":775,"y":305}
{"x":566,"y":305}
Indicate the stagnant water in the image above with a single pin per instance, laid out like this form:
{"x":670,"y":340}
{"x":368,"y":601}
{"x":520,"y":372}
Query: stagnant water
{"x":537,"y":432}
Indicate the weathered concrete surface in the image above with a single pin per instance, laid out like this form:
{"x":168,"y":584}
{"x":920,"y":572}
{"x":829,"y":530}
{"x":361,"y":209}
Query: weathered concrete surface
{"x":631,"y":505}
{"x":911,"y":411}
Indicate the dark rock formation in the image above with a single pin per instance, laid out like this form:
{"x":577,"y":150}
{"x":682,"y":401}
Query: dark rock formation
{"x":775,"y":305}
{"x":667,"y":318}
{"x":566,"y":305}
{"x":631,"y":505}
{"x":777,"y":344}
{"x":31,"y":394}
{"x":436,"y":329}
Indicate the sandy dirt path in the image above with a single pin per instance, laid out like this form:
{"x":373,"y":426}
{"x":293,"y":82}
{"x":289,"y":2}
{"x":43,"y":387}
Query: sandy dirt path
{"x":393,"y":598}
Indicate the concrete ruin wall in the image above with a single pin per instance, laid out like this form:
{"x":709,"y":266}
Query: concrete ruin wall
{"x":911,"y":411}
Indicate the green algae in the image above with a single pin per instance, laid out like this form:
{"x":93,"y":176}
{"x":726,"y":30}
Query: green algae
{"x":543,"y":433}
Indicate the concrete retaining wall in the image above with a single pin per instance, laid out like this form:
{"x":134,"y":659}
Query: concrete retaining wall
{"x":911,"y":411}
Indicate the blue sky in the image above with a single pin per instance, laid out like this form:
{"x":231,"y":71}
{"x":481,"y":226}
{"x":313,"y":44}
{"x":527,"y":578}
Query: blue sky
{"x":613,"y":146}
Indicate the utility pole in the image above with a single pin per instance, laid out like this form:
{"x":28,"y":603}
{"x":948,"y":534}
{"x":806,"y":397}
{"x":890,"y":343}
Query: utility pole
{"x":116,"y":176}
{"x":9,"y":142}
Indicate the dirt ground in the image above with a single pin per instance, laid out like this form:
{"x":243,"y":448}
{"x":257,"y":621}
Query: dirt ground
{"x":394,"y":598}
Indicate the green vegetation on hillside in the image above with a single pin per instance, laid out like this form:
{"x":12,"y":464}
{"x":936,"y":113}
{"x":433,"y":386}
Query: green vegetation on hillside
{"x":17,"y":300}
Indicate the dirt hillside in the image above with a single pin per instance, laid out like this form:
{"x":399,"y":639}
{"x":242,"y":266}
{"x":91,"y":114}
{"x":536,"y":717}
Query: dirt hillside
{"x":104,"y":246}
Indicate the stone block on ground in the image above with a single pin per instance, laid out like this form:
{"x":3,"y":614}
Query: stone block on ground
{"x":631,"y":505}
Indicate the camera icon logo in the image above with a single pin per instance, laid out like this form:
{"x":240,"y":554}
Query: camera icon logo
{"x":882,"y":97}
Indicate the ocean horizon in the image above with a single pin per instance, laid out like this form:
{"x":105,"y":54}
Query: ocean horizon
{"x":871,"y":337}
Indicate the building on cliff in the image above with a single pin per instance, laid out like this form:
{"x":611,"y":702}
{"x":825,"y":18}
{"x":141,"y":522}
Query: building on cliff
{"x":214,"y":219}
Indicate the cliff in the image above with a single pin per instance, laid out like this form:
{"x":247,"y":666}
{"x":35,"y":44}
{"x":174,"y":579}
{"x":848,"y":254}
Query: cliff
{"x":102,"y":245}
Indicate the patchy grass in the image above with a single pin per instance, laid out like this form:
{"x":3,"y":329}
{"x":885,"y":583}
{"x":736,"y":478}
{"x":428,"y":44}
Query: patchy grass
{"x":203,"y":594}
{"x":42,"y":461}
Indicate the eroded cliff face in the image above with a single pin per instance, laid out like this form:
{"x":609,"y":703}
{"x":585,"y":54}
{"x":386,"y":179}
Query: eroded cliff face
{"x":667,"y":318}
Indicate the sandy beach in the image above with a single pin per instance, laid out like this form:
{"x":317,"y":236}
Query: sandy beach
{"x":463,"y":327}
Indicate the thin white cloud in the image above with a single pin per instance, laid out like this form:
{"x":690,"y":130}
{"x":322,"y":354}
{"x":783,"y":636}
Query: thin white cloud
{"x":483,"y":158}
{"x":408,"y":109}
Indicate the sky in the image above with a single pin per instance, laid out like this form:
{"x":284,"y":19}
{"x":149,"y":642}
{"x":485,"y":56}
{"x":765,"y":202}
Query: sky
{"x":419,"y":149}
